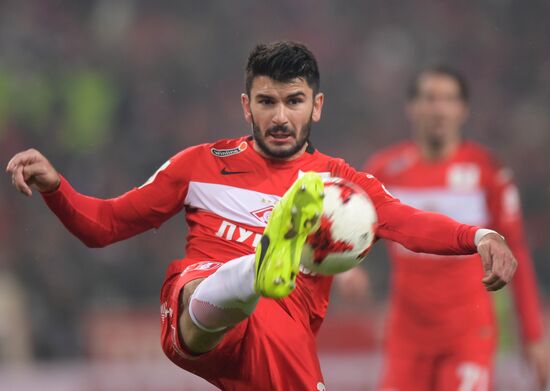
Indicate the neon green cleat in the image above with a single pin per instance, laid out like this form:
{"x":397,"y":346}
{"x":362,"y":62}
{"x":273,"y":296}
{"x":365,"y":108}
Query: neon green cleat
{"x":294,"y":217}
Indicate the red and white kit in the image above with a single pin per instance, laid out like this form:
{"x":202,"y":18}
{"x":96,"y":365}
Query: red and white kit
{"x":228,"y":190}
{"x":437,"y":329}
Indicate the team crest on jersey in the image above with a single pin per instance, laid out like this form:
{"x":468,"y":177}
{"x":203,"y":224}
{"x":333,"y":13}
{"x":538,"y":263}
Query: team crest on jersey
{"x":263,"y":214}
{"x":231,"y":151}
{"x":463,"y":176}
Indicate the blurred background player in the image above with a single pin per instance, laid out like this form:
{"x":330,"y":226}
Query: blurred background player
{"x":442,"y":337}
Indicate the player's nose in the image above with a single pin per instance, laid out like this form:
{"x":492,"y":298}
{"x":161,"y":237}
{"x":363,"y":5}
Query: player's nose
{"x":280,"y":117}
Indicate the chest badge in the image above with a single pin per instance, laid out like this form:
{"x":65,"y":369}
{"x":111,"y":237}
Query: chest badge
{"x":464,"y":176}
{"x":263,"y":214}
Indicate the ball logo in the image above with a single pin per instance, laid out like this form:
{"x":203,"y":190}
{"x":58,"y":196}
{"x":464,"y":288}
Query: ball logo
{"x":228,"y":152}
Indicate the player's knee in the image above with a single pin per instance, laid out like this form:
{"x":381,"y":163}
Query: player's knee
{"x":188,"y":330}
{"x":195,"y":340}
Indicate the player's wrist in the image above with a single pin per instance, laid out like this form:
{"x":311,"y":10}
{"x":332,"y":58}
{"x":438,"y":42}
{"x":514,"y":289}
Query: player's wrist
{"x":483,"y":232}
{"x":54,"y":186}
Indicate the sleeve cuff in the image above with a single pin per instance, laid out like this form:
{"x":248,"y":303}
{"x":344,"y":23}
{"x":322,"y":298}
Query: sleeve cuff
{"x":62,"y":192}
{"x":480,"y":233}
{"x":62,"y":184}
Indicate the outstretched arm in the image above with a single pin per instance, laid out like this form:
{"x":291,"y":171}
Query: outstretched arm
{"x":99,"y":222}
{"x":438,"y":234}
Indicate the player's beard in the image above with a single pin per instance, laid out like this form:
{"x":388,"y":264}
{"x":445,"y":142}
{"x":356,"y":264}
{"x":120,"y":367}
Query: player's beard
{"x":301,"y":138}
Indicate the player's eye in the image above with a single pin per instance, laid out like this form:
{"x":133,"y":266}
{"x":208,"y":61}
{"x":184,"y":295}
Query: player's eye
{"x":295,"y":101}
{"x":265,"y":101}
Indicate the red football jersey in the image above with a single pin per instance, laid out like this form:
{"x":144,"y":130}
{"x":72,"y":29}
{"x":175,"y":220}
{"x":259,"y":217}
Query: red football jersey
{"x":228,"y":190}
{"x":440,"y":299}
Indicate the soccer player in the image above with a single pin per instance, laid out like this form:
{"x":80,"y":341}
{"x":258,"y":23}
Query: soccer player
{"x":441,"y":335}
{"x":246,"y":319}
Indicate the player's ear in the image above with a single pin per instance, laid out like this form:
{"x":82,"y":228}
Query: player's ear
{"x":245,"y":103}
{"x":318,"y":101}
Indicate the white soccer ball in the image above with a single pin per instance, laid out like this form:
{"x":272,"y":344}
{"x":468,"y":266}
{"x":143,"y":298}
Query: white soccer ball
{"x":346,"y":231}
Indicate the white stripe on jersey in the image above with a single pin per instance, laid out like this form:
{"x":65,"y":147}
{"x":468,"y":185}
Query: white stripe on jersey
{"x":229,"y":202}
{"x":467,"y":207}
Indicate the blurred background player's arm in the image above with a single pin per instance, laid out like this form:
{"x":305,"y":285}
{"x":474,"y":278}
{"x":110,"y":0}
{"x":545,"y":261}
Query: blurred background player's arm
{"x":99,"y":222}
{"x":505,"y":208}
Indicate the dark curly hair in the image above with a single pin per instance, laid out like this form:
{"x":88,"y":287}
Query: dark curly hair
{"x":282,"y":61}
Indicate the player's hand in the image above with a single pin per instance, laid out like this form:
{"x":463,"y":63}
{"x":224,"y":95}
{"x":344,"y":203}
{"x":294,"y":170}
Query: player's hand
{"x":498,"y":261}
{"x":31,"y":168}
{"x":536,"y":354}
{"x":353,"y":285}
